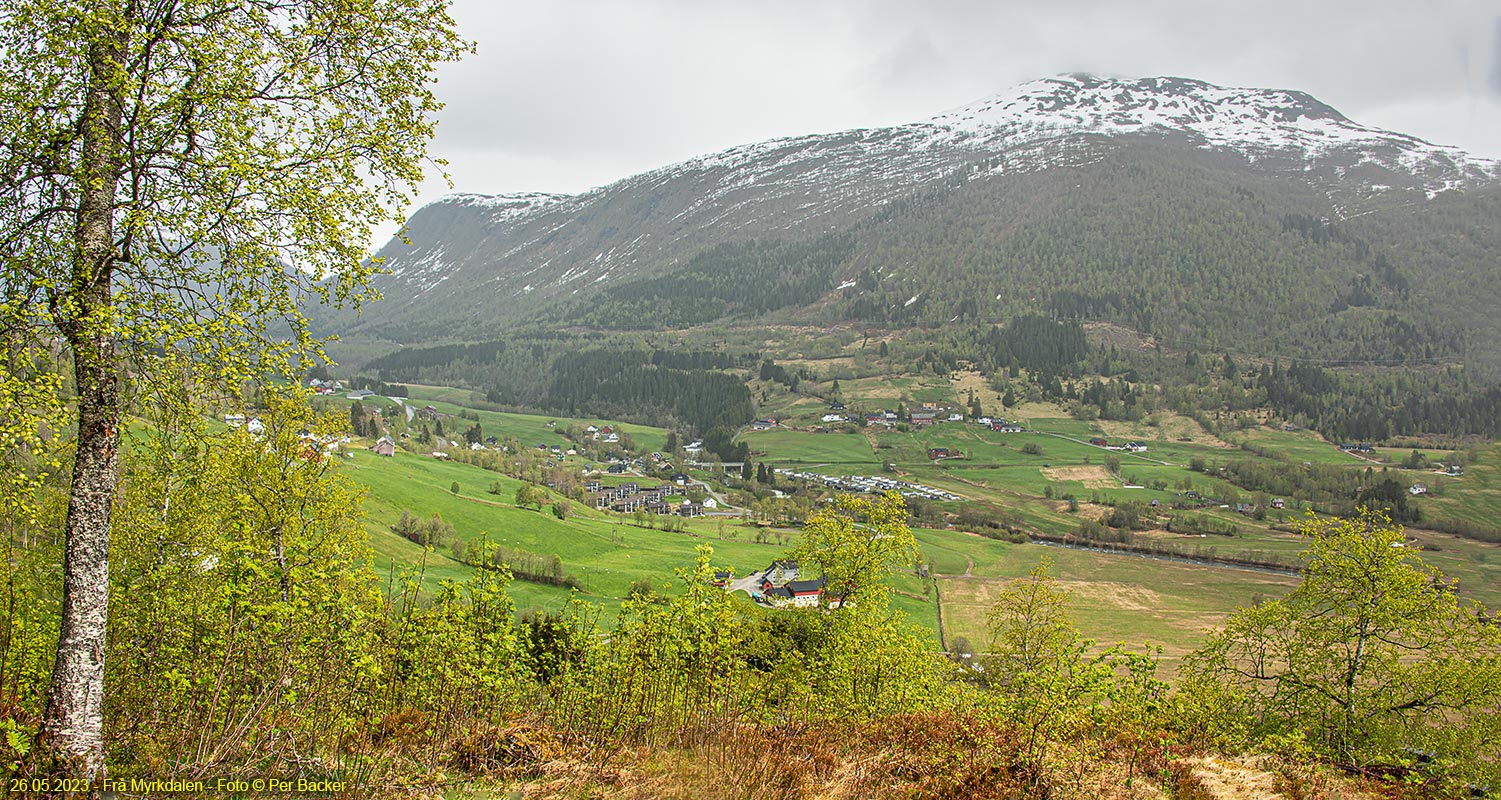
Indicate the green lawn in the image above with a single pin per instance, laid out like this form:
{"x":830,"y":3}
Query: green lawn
{"x":1474,"y":497}
{"x":790,"y":448}
{"x":606,"y":552}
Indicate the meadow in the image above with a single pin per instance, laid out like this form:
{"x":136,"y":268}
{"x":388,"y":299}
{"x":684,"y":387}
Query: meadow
{"x":606,"y":552}
{"x":1131,"y":598}
{"x":1117,"y":597}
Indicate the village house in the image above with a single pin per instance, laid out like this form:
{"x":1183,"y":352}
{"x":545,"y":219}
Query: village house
{"x":797,"y":594}
{"x":832,"y":418}
{"x":923,"y":417}
{"x":938,"y":452}
{"x":780,"y":572}
{"x":385,"y":446}
{"x":763,"y":424}
{"x":1098,"y":441}
{"x":628,"y":504}
{"x":1417,"y":489}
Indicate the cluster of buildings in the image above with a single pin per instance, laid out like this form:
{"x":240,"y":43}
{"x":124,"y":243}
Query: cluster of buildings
{"x":252,"y":426}
{"x":606,"y":433}
{"x":782,"y":585}
{"x":629,"y":497}
{"x":871,"y":484}
{"x":325,"y":388}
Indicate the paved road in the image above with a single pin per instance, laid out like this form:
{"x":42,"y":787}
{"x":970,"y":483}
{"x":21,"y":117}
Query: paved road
{"x":724,"y":505}
{"x":750,"y":584}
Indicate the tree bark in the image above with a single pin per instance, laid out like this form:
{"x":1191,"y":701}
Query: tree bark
{"x":73,"y":725}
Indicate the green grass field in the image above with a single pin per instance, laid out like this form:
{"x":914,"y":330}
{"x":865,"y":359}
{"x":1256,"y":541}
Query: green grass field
{"x":797,"y":448}
{"x":1117,"y":597}
{"x":607,"y":553}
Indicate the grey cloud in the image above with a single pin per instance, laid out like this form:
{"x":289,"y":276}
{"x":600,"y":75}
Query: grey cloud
{"x":1496,"y":61}
{"x":582,"y":89}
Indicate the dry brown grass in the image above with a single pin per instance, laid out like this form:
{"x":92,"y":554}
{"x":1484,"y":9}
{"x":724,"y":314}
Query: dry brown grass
{"x":1170,"y":427}
{"x":1027,"y":411}
{"x":1093,"y":477}
{"x":968,"y":380}
{"x":939,"y":756}
{"x":1261,"y":777}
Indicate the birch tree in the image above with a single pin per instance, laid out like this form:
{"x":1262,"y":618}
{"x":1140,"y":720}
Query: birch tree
{"x":1370,"y":654}
{"x":177,"y":178}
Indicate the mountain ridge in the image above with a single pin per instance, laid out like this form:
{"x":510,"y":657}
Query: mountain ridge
{"x":482,"y":263}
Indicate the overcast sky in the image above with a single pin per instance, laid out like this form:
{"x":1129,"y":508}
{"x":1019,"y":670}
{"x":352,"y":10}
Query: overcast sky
{"x":565,"y":95}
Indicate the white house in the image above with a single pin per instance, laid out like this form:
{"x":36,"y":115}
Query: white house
{"x":797,"y":594}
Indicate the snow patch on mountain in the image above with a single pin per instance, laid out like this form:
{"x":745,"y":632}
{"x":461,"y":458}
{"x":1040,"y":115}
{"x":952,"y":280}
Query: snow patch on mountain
{"x":1252,"y":122}
{"x":504,"y":206}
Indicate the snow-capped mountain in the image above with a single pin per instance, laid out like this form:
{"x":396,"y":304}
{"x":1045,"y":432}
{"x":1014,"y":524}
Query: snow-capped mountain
{"x":1257,"y":123}
{"x":477,"y":261}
